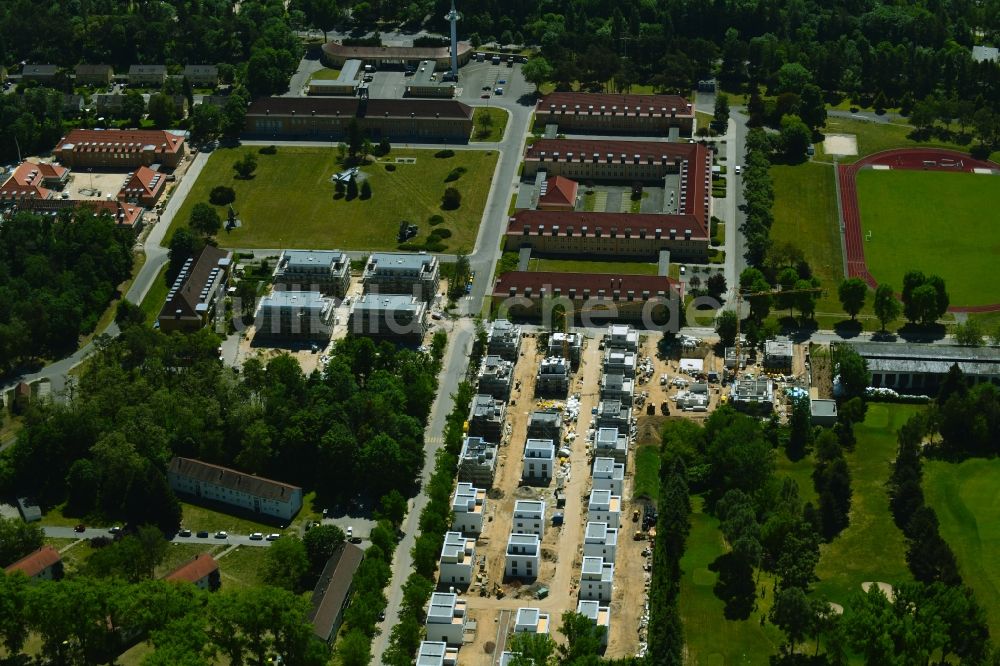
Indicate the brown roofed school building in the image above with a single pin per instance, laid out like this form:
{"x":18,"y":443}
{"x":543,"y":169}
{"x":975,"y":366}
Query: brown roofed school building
{"x":144,"y":186}
{"x":333,"y":591}
{"x":125,"y":215}
{"x":196,"y":292}
{"x":329,"y":117}
{"x":119,"y":148}
{"x":202,"y":572}
{"x":206,"y":481}
{"x":336,"y":54}
{"x":43,"y":564}
{"x":33,"y":180}
{"x":94,"y":75}
{"x":615,"y":114}
{"x":608,"y":234}
{"x":636,"y":298}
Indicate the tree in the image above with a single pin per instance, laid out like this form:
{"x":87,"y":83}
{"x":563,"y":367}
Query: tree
{"x":18,"y":539}
{"x":245,"y":166}
{"x":792,"y":77}
{"x":887,"y":308}
{"x":451,"y":199}
{"x":183,"y":245}
{"x":853,"y":371}
{"x":355,"y":138}
{"x":205,"y":220}
{"x":133,"y":107}
{"x":537,"y":71}
{"x":384,"y":147}
{"x":726,"y":326}
{"x":206,"y":121}
{"x":583,"y":638}
{"x":129,"y":314}
{"x":795,"y":137}
{"x":320,"y":543}
{"x":753,"y":281}
{"x":222,"y":195}
{"x":162,"y":110}
{"x":234,"y":115}
{"x":366,"y":189}
{"x":14,"y":629}
{"x":793,"y":614}
{"x":923,"y":304}
{"x":352,"y":188}
{"x":323,"y":14}
{"x":460,"y":277}
{"x":812,"y":107}
{"x":392,"y":507}
{"x":799,"y":429}
{"x":969,"y":334}
{"x":852,"y":293}
{"x":721,"y":116}
{"x":531,"y":649}
{"x":354,"y":648}
{"x":716,"y":285}
{"x":287,"y":563}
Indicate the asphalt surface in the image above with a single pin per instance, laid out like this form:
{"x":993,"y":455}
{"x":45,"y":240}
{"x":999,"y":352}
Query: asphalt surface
{"x":94,"y":532}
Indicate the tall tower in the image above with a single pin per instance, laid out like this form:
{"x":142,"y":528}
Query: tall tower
{"x":453,"y":18}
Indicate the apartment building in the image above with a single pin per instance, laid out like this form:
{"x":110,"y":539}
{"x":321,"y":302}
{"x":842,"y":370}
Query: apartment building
{"x":561,"y":344}
{"x":436,"y":653}
{"x":147,"y":75}
{"x":608,"y":475}
{"x":524,"y":556}
{"x":197,"y":291}
{"x":395,"y":316}
{"x":206,"y":481}
{"x":600,"y":540}
{"x":619,"y":362}
{"x":416,"y":274}
{"x":599,"y":614}
{"x":468,"y":505}
{"x":611,"y":442}
{"x":596,"y":579}
{"x":617,"y":387}
{"x":622,"y":337}
{"x":326,"y":271}
{"x":614,"y":414}
{"x":477,"y":462}
{"x":486,"y":418}
{"x":122,"y":149}
{"x":43,"y":564}
{"x":446,"y":618}
{"x":529,"y":517}
{"x":504,"y":340}
{"x":295,"y":314}
{"x":202,"y":571}
{"x":553,"y":376}
{"x":604,"y":507}
{"x":545,"y":424}
{"x":538,"y":461}
{"x":458,"y":559}
{"x":531,"y":620}
{"x":496,"y":377}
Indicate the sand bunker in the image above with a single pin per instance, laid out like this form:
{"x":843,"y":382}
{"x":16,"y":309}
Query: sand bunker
{"x":884,"y":587}
{"x":840,"y":144}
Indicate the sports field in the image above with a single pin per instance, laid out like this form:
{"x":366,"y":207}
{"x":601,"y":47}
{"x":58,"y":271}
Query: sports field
{"x":289,"y":202}
{"x":936,"y":222}
{"x":966,"y":497}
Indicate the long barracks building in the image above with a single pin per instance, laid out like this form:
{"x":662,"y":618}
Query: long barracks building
{"x":615,"y":114}
{"x":328,"y":118}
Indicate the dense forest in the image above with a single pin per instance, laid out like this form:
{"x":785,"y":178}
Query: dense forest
{"x":356,"y":428}
{"x":57,"y":276}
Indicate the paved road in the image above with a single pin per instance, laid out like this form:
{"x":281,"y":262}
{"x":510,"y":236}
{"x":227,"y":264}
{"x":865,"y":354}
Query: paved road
{"x":94,"y":532}
{"x":453,"y":372}
{"x":301,"y":76}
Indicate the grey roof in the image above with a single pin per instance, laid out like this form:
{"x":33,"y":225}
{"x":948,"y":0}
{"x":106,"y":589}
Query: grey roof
{"x":589,"y":608}
{"x":332,"y":588}
{"x":296,"y":258}
{"x":528,"y":506}
{"x":928,"y":359}
{"x":232,"y":479}
{"x":546,"y":416}
{"x":305,"y":300}
{"x":39,"y":70}
{"x":431,"y":653}
{"x":401,"y":260}
{"x":597,"y":530}
{"x":349,"y":72}
{"x":442,"y":606}
{"x":821,"y":407}
{"x":545,"y":448}
{"x":776,"y":348}
{"x":387,"y":303}
{"x":982,"y":53}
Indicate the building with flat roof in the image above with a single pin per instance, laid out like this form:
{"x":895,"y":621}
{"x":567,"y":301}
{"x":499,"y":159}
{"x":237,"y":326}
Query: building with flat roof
{"x":919,"y":369}
{"x":604,"y":507}
{"x":458,"y":558}
{"x":397,"y":316}
{"x":295,"y":314}
{"x":778,"y":354}
{"x":561,"y":343}
{"x":531,"y":620}
{"x":611,"y":442}
{"x":598,"y":614}
{"x":326,"y":271}
{"x":203,"y":76}
{"x":538,"y":460}
{"x":553,"y":376}
{"x":93,"y":75}
{"x":205,"y":481}
{"x":823,"y":412}
{"x":198,"y":289}
{"x":503,"y":339}
{"x":327,"y":118}
{"x":336,"y":54}
{"x":468,"y":505}
{"x":617,"y":387}
{"x":446,"y":618}
{"x":622,"y":336}
{"x":202,"y":571}
{"x":606,"y":113}
{"x":346,"y":83}
{"x":597,"y":578}
{"x":545,"y":424}
{"x":43,"y":564}
{"x":529,"y":517}
{"x":600,"y":540}
{"x":147,"y":75}
{"x":332,"y":593}
{"x":608,"y":474}
{"x":119,"y":149}
{"x":614,"y":413}
{"x":985,"y":53}
{"x":586,"y":296}
{"x":436,"y":653}
{"x":619,"y":362}
{"x":425,"y":82}
{"x":143,"y":186}
{"x":412,"y":273}
{"x":486,"y":418}
{"x":477,"y":462}
{"x":496,"y":377}
{"x":524,"y":556}
{"x":753,"y":396}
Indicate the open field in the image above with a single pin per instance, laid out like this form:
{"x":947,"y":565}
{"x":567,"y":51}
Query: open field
{"x":873,"y":137}
{"x":966,"y":497}
{"x":872,"y":547}
{"x":647,"y":472}
{"x":800,"y":470}
{"x":243,"y":567}
{"x":498,"y":123}
{"x":711,"y":639}
{"x":197,"y":518}
{"x":181,"y":553}
{"x":592,"y":266}
{"x":153,"y":302}
{"x":934,"y":222}
{"x":289,"y":202}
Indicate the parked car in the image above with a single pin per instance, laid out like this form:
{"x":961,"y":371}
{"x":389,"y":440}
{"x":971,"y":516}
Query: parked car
{"x":502,"y":81}
{"x":115,"y":530}
{"x":221,"y":535}
{"x":80,"y":528}
{"x":184,"y":533}
{"x":498,"y":91}
{"x":203,"y":534}
{"x":485,"y":96}
{"x":739,"y":169}
{"x":486,"y":88}
{"x":256,"y":536}
{"x":273,"y":537}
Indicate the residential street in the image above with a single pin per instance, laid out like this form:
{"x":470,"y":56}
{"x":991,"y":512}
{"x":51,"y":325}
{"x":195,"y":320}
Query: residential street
{"x":94,"y":532}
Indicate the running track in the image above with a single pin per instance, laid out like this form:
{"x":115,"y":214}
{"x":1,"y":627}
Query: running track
{"x":901,"y":158}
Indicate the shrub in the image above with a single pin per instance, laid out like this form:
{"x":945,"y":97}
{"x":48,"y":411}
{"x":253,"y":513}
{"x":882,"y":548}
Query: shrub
{"x":451,"y":199}
{"x":434,"y":245}
{"x":441,"y":233}
{"x":268,"y":150}
{"x":435,"y":220}
{"x":442,"y":154}
{"x":390,"y":167}
{"x":366,"y":189}
{"x":455,"y":174}
{"x":222,"y":195}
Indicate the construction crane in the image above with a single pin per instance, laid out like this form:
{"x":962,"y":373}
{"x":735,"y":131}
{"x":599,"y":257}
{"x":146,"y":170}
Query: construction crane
{"x":740,"y":295}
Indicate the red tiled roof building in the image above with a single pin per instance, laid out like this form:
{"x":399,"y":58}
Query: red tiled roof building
{"x":119,"y":148}
{"x":202,"y":572}
{"x":43,"y":564}
{"x":124,"y":215}
{"x":615,"y":114}
{"x":560,"y":194}
{"x":144,"y":186}
{"x":33,"y":180}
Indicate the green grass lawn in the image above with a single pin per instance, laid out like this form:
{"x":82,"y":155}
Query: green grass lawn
{"x":59,"y":543}
{"x":181,"y":553}
{"x":325,"y":74}
{"x":933,"y":222}
{"x":966,"y":497}
{"x":243,"y":567}
{"x":196,"y":518}
{"x":153,"y":302}
{"x":647,"y":472}
{"x":498,"y":123}
{"x":593,"y":266}
{"x":799,"y":470}
{"x":871,"y":548}
{"x":711,"y":639}
{"x":875,"y":137}
{"x":289,"y":203}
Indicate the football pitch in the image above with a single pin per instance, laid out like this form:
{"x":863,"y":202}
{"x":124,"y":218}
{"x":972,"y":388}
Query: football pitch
{"x":939,"y":223}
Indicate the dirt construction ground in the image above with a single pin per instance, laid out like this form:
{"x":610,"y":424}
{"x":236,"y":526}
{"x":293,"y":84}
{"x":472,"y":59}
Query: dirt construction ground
{"x":561,"y":546}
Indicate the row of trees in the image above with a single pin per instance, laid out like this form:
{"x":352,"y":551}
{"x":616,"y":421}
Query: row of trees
{"x":666,"y":632}
{"x":57,"y":276}
{"x":758,"y":195}
{"x":583,"y":643}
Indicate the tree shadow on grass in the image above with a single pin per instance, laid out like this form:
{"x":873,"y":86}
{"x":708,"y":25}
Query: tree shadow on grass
{"x":735,"y":586}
